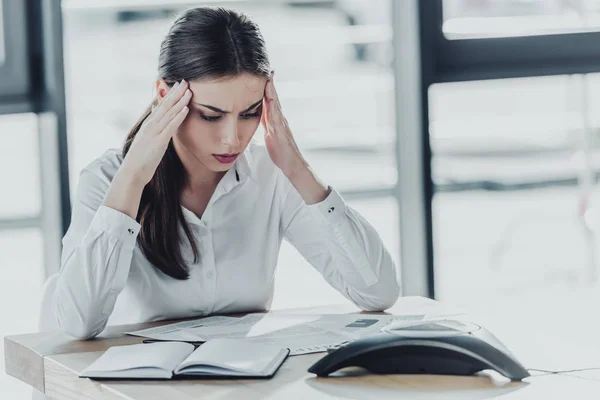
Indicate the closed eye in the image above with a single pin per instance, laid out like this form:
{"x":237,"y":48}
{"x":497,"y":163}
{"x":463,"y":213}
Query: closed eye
{"x":250,"y":116}
{"x":255,"y":114}
{"x":215,"y":118}
{"x":210,"y":119}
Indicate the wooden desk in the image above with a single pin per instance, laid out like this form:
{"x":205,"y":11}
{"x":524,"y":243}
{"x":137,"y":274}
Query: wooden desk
{"x":52,"y":361}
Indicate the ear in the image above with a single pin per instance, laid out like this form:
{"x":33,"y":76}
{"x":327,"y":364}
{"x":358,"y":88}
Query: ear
{"x":162,"y":88}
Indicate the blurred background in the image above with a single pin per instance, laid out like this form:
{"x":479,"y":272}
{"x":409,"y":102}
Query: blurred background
{"x":465,"y":131}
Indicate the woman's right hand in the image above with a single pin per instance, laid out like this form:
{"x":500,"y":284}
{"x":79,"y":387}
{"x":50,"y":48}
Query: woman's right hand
{"x":147,"y":150}
{"x":152,"y":140}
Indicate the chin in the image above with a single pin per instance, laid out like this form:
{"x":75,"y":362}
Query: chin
{"x":216,"y":166}
{"x":223,"y":168}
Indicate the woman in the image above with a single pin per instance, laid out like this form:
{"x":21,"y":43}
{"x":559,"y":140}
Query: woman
{"x":188,"y":218}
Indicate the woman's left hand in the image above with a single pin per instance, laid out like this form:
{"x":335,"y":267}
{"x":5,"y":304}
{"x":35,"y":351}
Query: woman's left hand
{"x":278,"y":136}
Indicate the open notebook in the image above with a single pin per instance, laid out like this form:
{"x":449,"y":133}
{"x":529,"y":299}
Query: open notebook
{"x":167,"y":360}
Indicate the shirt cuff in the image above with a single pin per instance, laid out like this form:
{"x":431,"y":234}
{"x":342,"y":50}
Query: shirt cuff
{"x":332,"y":210}
{"x":117,"y":224}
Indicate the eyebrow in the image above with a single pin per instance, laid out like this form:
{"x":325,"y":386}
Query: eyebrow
{"x":227,"y":112}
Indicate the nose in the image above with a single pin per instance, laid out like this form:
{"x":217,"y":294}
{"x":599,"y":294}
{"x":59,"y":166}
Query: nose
{"x":230,"y":136}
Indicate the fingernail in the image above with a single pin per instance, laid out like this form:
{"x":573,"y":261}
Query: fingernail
{"x":175,"y":85}
{"x":183,"y":82}
{"x":188,"y":92}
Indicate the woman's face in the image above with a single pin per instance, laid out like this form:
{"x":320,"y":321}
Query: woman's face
{"x":223,"y":117}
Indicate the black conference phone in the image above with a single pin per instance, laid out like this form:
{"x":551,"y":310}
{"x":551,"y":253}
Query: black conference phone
{"x":447,"y":347}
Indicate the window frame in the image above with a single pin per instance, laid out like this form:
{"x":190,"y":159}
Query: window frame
{"x":14,"y":70}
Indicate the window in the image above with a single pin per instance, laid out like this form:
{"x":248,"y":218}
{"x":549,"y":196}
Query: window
{"x":2,"y":55}
{"x":511,"y":206}
{"x":19,"y":167}
{"x":14,"y":71}
{"x":505,"y":18}
{"x":21,"y":240}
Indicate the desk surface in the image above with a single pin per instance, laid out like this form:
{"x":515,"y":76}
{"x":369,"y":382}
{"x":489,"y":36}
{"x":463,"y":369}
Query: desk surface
{"x":51,"y":363}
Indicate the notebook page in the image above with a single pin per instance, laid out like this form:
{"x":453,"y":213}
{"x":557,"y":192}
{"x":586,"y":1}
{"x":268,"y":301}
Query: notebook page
{"x":235,"y":355}
{"x":165,"y":356}
{"x":205,"y":370}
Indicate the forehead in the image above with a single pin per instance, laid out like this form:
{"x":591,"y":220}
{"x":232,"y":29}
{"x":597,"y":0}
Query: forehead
{"x":235,"y":93}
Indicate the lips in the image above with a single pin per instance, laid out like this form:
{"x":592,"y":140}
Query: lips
{"x":225,"y":158}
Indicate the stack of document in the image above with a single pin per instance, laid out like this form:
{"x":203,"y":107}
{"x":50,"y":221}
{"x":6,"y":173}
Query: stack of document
{"x":301,"y":334}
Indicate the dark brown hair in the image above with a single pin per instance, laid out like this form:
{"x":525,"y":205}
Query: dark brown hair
{"x":202,"y":43}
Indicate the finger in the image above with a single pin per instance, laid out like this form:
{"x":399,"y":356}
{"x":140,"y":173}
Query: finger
{"x":172,"y":126}
{"x":269,"y":90}
{"x":274,"y":95}
{"x":273,"y":114}
{"x":278,"y":113}
{"x":273,"y":98}
{"x":169,"y":90}
{"x":169,"y":100}
{"x":270,"y":126}
{"x":267,"y":112}
{"x":277,"y":104}
{"x":263,"y":116}
{"x":183,"y":101}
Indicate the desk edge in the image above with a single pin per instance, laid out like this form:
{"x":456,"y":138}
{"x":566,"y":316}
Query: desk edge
{"x":23,"y":363}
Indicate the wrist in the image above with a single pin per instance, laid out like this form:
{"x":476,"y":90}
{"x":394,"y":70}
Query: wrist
{"x":129,"y":176}
{"x":297,"y":170}
{"x":308,"y":185}
{"x":125,"y":192}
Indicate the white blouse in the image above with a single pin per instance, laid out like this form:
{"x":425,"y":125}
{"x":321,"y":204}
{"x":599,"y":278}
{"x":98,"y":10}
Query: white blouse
{"x":253,"y":209}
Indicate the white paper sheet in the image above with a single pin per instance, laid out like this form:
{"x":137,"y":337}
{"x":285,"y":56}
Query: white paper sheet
{"x":303,"y":339}
{"x":302,"y":334}
{"x":177,"y":331}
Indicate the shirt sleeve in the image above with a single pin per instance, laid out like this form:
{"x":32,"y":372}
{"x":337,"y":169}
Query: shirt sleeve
{"x":96,"y":258}
{"x":343,"y":247}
